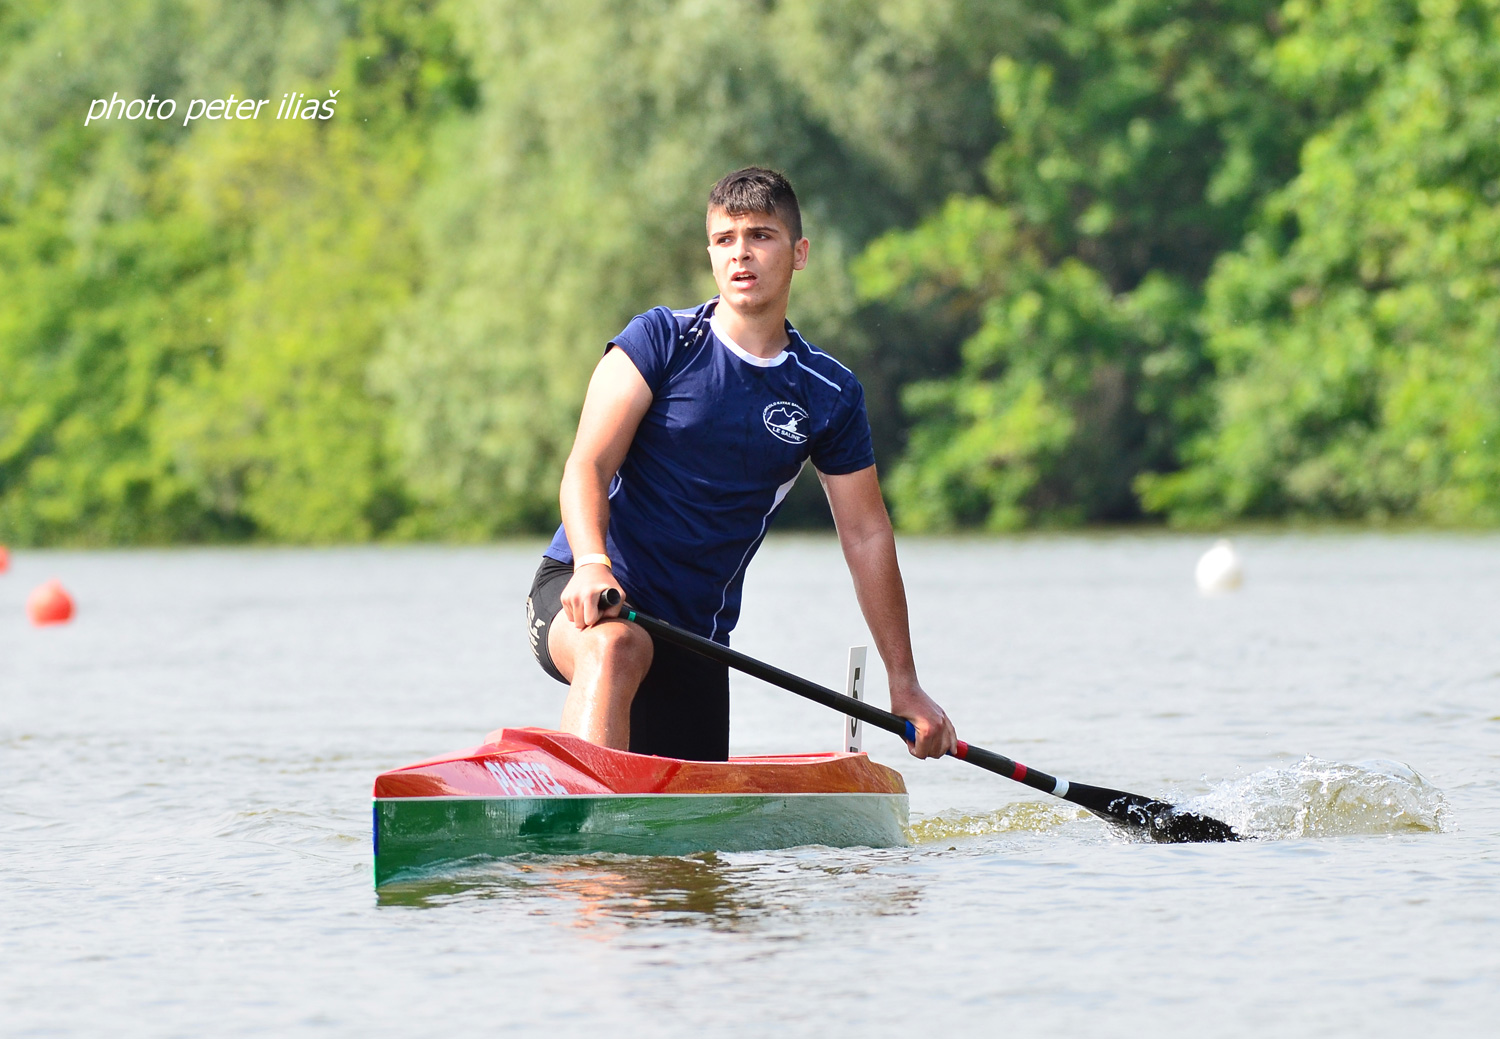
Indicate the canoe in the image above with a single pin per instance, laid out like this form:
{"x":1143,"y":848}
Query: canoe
{"x":534,"y":791}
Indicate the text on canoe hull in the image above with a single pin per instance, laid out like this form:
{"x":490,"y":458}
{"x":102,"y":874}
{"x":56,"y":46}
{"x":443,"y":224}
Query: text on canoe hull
{"x":524,"y":778}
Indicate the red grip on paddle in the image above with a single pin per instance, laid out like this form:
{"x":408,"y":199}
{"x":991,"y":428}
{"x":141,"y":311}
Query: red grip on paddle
{"x":1020,"y":773}
{"x":962,"y":752}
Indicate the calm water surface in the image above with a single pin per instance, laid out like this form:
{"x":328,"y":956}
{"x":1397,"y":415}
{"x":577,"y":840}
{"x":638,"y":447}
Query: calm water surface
{"x":187,"y":770}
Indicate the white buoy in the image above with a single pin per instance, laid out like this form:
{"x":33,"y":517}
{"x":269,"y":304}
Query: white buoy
{"x":1219,"y":570}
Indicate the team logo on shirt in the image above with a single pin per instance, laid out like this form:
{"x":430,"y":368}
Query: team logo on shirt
{"x":786,"y":421}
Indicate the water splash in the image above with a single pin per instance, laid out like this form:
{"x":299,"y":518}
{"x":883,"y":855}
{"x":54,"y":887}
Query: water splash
{"x":1317,"y":798}
{"x":1025,"y":816}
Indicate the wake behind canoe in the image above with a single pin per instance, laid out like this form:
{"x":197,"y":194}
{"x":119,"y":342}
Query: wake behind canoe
{"x":533,"y":791}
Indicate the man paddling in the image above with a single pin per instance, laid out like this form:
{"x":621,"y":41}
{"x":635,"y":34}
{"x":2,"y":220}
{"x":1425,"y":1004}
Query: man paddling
{"x":695,"y":425}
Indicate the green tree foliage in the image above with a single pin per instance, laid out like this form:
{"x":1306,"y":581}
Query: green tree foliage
{"x":1044,"y":419}
{"x":1218,"y":257}
{"x":278,"y":424}
{"x":1355,"y":334}
{"x":573,"y":198}
{"x":101,"y":282}
{"x":274,"y":423}
{"x":384,"y":323}
{"x":1138,"y":137}
{"x":187,"y":313}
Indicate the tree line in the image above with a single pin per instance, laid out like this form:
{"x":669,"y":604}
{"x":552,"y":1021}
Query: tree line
{"x":1094,"y":260}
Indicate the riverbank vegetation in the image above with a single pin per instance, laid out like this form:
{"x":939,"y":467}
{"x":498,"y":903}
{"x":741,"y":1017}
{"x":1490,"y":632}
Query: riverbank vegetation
{"x":1094,"y":260}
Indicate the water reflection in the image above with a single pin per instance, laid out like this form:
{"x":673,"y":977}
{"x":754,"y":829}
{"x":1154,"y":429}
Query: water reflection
{"x":708,"y":890}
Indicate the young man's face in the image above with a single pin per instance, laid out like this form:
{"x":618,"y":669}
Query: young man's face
{"x":753,"y":257}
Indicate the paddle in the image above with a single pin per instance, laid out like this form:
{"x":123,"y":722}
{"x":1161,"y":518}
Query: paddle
{"x":1156,"y":819}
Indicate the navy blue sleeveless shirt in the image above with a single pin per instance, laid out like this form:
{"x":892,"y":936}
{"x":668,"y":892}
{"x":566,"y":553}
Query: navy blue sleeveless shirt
{"x":714,"y":457}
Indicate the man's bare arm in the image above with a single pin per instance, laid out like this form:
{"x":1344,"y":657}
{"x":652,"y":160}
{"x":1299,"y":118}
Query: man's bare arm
{"x":870,"y":549}
{"x":617,"y":400}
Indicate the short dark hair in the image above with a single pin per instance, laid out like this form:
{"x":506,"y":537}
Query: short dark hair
{"x":756,"y":189}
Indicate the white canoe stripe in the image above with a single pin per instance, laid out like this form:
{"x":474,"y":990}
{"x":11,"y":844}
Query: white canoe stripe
{"x":1061,"y":789}
{"x":562,"y":797}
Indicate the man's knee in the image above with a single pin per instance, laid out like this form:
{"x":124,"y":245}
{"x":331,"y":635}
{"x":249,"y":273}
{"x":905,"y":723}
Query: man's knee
{"x":620,"y":645}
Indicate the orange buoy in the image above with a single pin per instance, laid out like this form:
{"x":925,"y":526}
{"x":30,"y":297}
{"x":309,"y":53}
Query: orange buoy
{"x":4,"y":559}
{"x":50,"y":604}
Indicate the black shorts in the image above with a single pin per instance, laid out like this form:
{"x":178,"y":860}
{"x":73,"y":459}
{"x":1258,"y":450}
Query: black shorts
{"x":681,"y":709}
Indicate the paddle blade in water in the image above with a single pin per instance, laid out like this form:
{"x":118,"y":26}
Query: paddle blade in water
{"x":1151,"y":818}
{"x":1175,"y":826}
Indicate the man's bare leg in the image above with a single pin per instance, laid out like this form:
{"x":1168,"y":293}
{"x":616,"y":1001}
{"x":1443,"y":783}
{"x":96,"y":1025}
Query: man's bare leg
{"x":604,"y":665}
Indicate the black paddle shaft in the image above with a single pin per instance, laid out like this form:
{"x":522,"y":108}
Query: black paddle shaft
{"x":1158,"y":819}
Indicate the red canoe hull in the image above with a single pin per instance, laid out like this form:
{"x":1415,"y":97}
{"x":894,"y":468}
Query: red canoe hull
{"x":533,"y":791}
